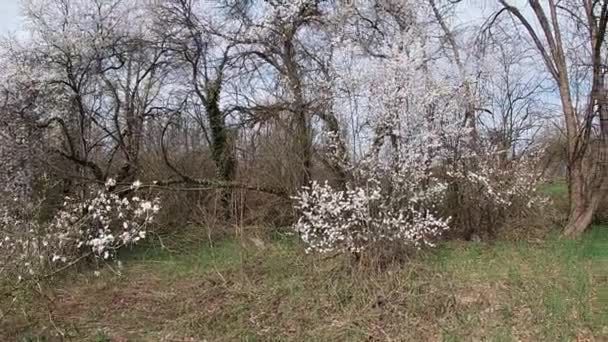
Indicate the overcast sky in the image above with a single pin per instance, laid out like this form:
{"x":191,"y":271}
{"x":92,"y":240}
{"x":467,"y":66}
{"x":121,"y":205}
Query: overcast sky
{"x":9,"y":15}
{"x":470,"y":10}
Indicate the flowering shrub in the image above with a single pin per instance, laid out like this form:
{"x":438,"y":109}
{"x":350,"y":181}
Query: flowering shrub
{"x":97,"y":227}
{"x":354,"y":219}
{"x":423,"y":170}
{"x":411,"y":205}
{"x":488,"y":192}
{"x":505,"y":184}
{"x":394,"y":195}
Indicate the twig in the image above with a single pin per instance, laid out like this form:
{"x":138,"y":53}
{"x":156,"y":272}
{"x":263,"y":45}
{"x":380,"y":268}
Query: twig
{"x":37,"y":279}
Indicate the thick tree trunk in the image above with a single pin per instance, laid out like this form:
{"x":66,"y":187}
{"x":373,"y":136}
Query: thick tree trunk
{"x":582,"y":202}
{"x":300,"y":121}
{"x":579,"y":219}
{"x":588,"y":171}
{"x":221,"y":146}
{"x":303,"y":148}
{"x":581,"y":211}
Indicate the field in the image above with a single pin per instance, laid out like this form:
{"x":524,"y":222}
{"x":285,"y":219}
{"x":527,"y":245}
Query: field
{"x":250,"y":290}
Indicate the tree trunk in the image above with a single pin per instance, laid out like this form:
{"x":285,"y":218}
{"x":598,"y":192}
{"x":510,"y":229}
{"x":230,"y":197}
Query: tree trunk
{"x":586,"y":173}
{"x":302,"y":129}
{"x":582,"y":203}
{"x":579,"y":219}
{"x":303,"y":148}
{"x":581,"y":198}
{"x":221,"y":145}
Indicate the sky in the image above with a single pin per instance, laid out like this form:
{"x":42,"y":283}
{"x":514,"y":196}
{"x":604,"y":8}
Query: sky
{"x":9,"y":15}
{"x":472,"y":11}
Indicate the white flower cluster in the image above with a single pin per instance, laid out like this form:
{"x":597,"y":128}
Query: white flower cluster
{"x":505,"y":184}
{"x":354,"y":219}
{"x":275,"y":15}
{"x":99,"y":227}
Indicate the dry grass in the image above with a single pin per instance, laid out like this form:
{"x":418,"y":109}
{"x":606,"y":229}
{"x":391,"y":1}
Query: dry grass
{"x":544,"y":291}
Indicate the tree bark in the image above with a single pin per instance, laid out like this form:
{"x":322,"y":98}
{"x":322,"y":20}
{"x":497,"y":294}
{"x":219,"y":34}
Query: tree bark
{"x":302,"y":129}
{"x":582,"y":205}
{"x":221,"y":146}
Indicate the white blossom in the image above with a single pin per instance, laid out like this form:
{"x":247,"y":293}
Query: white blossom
{"x":136,"y":185}
{"x":109,"y":223}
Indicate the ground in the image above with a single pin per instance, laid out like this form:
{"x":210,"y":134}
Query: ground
{"x":545,"y":290}
{"x":249,"y":289}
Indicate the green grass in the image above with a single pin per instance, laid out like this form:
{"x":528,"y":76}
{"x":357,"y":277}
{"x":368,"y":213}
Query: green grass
{"x":554,"y":290}
{"x":557,"y":188}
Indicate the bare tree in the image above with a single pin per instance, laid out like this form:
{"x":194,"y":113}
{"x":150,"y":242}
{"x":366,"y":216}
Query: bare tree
{"x":204,"y":56}
{"x":512,"y":97}
{"x":456,"y":55}
{"x":99,"y":79}
{"x":564,"y":27}
{"x":291,"y":45}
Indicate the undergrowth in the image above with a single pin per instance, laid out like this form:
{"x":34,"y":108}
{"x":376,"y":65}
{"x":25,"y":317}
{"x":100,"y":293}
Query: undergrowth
{"x":253,"y":290}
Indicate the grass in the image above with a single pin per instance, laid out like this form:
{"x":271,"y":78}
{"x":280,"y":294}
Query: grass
{"x":557,"y":188}
{"x":554,"y":290}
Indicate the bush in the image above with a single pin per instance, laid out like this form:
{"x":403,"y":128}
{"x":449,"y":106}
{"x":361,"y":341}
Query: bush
{"x":83,"y":228}
{"x":488,"y":193}
{"x":359,"y":218}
